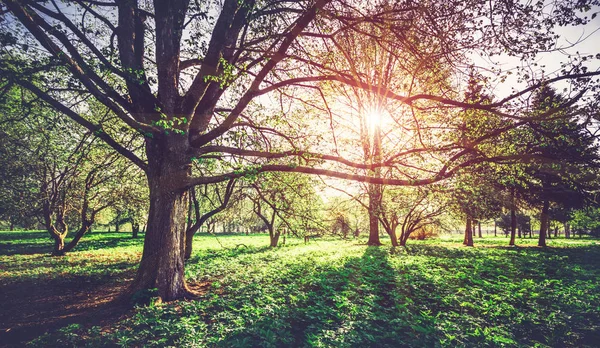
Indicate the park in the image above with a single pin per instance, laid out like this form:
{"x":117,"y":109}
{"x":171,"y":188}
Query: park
{"x":310,"y":173}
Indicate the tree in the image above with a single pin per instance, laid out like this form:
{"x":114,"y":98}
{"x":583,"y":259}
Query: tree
{"x":198,"y":87}
{"x":66,"y":180}
{"x":586,"y":221}
{"x":286,"y":201}
{"x":414,"y":211}
{"x":564,"y":158}
{"x":217,"y":205}
{"x":131,"y":203}
{"x":475,"y":196}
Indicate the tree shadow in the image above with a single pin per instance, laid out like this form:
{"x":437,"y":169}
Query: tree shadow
{"x":33,"y":307}
{"x":462,"y":296}
{"x":40,"y":243}
{"x":357,"y":304}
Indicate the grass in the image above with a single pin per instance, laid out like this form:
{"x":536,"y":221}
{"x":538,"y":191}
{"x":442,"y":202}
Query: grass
{"x":332,"y":293}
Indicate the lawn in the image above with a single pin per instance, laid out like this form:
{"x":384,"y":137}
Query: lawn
{"x":327,"y":293}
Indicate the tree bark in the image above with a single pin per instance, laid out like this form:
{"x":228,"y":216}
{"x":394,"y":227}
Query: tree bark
{"x":479,"y":229}
{"x":544,"y":224}
{"x":135,"y":229}
{"x":162,"y":263}
{"x":118,"y":222}
{"x":392,"y":233}
{"x":468,"y":233}
{"x":85,"y":227}
{"x":567,"y":230}
{"x":513,"y":224}
{"x":274,"y":237}
{"x":374,"y":208}
{"x":59,"y":244}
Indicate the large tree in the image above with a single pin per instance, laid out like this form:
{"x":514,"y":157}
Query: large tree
{"x":564,"y":158}
{"x":187,"y":75}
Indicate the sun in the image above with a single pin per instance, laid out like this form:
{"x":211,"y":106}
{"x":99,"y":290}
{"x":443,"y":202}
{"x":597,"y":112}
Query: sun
{"x":373,"y":117}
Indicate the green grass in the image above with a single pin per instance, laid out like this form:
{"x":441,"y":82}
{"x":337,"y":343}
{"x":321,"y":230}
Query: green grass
{"x":333,"y":293}
{"x":25,"y":257}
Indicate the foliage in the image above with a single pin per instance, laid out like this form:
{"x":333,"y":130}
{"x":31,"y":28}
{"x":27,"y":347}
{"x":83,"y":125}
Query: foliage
{"x":286,"y":201}
{"x":337,"y":293}
{"x":523,"y":223}
{"x":586,"y":221}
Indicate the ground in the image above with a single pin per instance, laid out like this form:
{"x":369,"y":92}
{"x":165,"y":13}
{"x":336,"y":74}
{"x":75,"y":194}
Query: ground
{"x":325,"y":293}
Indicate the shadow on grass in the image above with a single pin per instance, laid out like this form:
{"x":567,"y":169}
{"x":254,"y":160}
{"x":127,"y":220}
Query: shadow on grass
{"x":29,"y":243}
{"x":452,"y":296}
{"x":32,"y":307}
{"x":359,"y":304}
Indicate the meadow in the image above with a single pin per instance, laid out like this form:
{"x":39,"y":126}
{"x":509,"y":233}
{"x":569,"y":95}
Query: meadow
{"x":327,"y":293}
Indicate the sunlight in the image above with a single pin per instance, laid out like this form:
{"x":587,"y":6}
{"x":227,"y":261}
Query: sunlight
{"x":373,"y":118}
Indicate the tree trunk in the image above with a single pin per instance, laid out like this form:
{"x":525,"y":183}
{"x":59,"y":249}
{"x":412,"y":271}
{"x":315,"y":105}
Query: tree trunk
{"x":135,"y":229}
{"x":162,"y":264}
{"x":118,"y":223}
{"x":544,"y":224}
{"x":567,"y":230}
{"x":274,"y":238}
{"x":59,"y":244}
{"x":392,"y":235}
{"x":12,"y":226}
{"x":513,"y":225}
{"x":495,"y":229}
{"x":85,"y":227}
{"x":479,"y":229}
{"x":189,"y":241}
{"x":468,"y":233}
{"x":374,"y":208}
{"x":555,"y":231}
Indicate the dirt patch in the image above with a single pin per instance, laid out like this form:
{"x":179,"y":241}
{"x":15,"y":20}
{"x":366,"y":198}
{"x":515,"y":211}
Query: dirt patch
{"x":30,"y":309}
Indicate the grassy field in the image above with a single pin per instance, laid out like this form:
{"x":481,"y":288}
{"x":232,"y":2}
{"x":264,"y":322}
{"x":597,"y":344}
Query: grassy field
{"x":328,"y":293}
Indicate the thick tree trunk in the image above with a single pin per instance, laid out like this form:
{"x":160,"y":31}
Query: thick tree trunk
{"x":274,"y":238}
{"x":513,"y":226}
{"x":373,"y":230}
{"x":567,"y":230}
{"x":374,"y":208}
{"x":162,"y":264}
{"x":544,"y":224}
{"x":135,"y":229}
{"x":59,"y":244}
{"x":118,"y":223}
{"x":162,"y":260}
{"x":468,"y":233}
